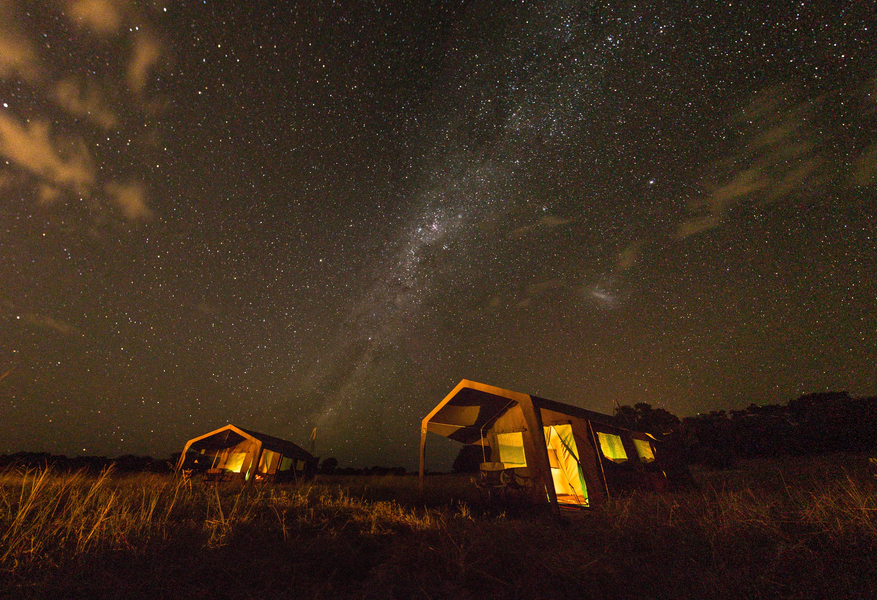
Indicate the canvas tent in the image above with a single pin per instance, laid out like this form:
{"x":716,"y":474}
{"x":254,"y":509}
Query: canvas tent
{"x":558,"y":453}
{"x":235,"y":453}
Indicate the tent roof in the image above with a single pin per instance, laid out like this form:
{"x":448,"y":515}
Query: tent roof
{"x":230,"y":435}
{"x":281,"y":446}
{"x":575,"y":411}
{"x":472,"y":407}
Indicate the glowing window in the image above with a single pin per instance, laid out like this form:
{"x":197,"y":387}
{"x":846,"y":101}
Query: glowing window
{"x":268,"y":462}
{"x":511,"y":449}
{"x":235,"y":461}
{"x":644,"y":450}
{"x":612,"y":447}
{"x":285,"y":464}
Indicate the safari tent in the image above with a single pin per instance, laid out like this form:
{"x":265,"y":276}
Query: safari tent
{"x":556,"y":453}
{"x":232,"y":452}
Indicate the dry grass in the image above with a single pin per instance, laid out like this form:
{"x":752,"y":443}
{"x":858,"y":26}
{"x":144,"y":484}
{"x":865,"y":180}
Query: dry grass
{"x":46,"y":517}
{"x":772,"y":529}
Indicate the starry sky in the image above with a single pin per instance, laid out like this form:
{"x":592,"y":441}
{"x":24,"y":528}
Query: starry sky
{"x":291,"y":215}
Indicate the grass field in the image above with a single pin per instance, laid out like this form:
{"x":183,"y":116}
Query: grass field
{"x":803,"y":528}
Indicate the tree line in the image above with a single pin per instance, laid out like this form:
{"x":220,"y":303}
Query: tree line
{"x":815,"y":423}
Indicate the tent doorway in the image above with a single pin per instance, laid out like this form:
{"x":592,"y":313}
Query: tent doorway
{"x":566,"y":468}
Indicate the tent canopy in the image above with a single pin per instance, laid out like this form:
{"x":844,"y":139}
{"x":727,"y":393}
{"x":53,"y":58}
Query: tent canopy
{"x":467,"y":412}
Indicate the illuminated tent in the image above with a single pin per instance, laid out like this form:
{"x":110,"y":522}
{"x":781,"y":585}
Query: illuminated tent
{"x":559,"y":453}
{"x":232,"y":452}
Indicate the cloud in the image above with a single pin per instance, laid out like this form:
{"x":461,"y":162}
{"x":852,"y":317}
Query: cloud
{"x":546,"y":222}
{"x":715,"y":207}
{"x":147,"y":51}
{"x":51,"y":323}
{"x":698,"y":224}
{"x":58,"y":167}
{"x":8,"y":180}
{"x":63,"y":166}
{"x":101,"y":16}
{"x":536,"y":289}
{"x":131,"y":198}
{"x":865,"y":167}
{"x":627,"y":258}
{"x":17,"y":56}
{"x":84,"y":103}
{"x":551,"y":222}
{"x":207,"y":308}
{"x":777,"y":160}
{"x":31,"y":148}
{"x":47,"y":194}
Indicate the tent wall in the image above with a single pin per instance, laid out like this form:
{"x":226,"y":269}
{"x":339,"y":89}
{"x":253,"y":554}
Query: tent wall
{"x":631,"y":473}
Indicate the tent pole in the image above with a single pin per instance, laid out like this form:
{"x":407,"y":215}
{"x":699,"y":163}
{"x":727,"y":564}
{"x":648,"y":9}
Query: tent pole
{"x":254,"y":455}
{"x":536,"y":448}
{"x":422,"y":455}
{"x":598,"y":452}
{"x":182,"y":457}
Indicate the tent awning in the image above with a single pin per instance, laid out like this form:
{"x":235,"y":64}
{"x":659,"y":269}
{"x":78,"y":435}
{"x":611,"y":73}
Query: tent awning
{"x":468,"y":410}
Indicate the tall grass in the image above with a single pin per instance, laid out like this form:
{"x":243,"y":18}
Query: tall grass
{"x":47,"y":516}
{"x":769,"y":530}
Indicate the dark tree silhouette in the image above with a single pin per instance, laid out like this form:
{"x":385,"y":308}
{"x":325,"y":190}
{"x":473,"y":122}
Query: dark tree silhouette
{"x":468,"y":459}
{"x":811,"y":424}
{"x":644,"y":417}
{"x":328,"y":466}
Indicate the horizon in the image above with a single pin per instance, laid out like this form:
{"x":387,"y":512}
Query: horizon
{"x":445,"y":458}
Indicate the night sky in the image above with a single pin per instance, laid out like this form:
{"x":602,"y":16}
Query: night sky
{"x":288,"y":215}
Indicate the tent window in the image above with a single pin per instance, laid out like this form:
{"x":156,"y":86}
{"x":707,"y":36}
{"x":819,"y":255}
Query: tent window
{"x":268,"y":462}
{"x":285,"y":464}
{"x":644,"y":450}
{"x":235,"y":461}
{"x":612,"y":447}
{"x":511,"y":449}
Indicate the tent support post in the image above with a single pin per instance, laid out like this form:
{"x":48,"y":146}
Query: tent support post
{"x":422,"y":455}
{"x":537,"y":451}
{"x":249,"y":473}
{"x":597,"y":452}
{"x":182,"y":457}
